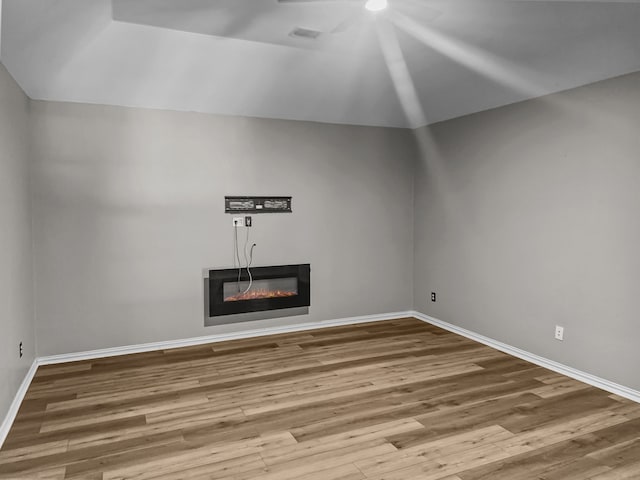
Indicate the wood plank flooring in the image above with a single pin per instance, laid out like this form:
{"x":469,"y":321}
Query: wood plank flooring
{"x":393,"y":400}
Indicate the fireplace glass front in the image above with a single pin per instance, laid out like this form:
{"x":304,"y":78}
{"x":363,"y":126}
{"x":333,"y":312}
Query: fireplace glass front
{"x":235,"y":291}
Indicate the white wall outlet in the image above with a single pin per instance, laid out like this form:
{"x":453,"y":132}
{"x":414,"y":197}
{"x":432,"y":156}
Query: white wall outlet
{"x":559,"y":332}
{"x":238,"y":221}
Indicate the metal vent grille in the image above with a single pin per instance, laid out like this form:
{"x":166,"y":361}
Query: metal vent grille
{"x":305,"y":33}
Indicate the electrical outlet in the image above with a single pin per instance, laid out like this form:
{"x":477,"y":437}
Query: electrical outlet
{"x":20,"y":350}
{"x":247,"y":221}
{"x":238,"y":221}
{"x":559,"y":332}
{"x":433,"y":296}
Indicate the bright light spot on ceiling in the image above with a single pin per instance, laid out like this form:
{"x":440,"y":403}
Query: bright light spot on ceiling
{"x":376,"y":5}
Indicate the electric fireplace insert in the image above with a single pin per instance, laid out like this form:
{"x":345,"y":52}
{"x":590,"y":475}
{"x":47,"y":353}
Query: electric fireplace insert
{"x":233,"y":291}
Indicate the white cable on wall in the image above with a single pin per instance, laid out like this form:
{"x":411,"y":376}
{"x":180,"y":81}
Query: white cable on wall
{"x":248,"y":260}
{"x":237,"y":256}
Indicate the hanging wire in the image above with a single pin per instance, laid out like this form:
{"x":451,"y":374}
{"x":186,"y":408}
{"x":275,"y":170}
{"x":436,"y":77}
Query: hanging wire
{"x":235,"y":243}
{"x":248,"y":260}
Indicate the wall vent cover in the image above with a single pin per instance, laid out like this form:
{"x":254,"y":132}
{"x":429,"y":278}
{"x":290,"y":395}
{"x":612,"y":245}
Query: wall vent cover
{"x":307,"y":33}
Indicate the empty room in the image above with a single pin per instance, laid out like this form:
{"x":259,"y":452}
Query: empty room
{"x":319,"y":239}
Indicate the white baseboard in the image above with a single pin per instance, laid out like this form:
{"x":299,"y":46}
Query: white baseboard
{"x":187,"y":342}
{"x":579,"y":375}
{"x":17,"y":401}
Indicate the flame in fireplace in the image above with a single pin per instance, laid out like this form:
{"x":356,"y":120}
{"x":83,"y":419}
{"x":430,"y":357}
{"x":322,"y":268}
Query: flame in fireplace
{"x":260,"y":294}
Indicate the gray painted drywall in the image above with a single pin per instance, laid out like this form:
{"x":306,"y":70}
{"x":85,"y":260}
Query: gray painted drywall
{"x":528,"y":216}
{"x":129,"y":208}
{"x":16,"y":314}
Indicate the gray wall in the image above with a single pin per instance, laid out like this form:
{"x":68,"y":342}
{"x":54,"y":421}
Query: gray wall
{"x":528,"y":216}
{"x":525,"y":217}
{"x":16,"y":315}
{"x":129,"y":208}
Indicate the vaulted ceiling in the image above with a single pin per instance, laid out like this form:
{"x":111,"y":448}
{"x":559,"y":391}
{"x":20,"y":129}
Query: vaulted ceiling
{"x":417,"y":62}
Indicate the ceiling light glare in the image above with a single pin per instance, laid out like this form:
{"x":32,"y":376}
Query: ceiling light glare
{"x":376,"y":5}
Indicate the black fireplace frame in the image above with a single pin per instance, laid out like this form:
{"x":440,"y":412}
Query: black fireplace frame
{"x":217,"y":279}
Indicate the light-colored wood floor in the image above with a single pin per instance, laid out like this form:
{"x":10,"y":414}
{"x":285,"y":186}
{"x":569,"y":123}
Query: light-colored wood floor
{"x":395,"y":400}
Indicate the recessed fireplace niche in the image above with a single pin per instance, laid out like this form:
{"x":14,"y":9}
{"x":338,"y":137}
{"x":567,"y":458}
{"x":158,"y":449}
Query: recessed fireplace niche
{"x":233,"y":291}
